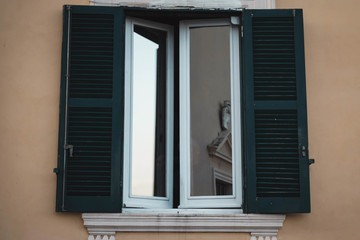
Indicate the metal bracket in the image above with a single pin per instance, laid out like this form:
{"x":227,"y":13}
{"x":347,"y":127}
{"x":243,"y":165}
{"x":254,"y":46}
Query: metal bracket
{"x":311,"y":161}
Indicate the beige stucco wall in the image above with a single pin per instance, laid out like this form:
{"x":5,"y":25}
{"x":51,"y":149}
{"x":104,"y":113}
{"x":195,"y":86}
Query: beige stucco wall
{"x":332,"y":52}
{"x":30,"y":35}
{"x":30,"y":50}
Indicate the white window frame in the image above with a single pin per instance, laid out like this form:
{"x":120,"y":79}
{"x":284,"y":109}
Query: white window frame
{"x":144,"y":201}
{"x":186,"y":200}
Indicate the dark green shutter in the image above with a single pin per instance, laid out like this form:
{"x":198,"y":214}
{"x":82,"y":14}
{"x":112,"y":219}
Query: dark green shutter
{"x":91,"y":110}
{"x":275,"y":129}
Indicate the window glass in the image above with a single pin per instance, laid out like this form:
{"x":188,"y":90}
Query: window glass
{"x":148,"y":110}
{"x":210,"y":113}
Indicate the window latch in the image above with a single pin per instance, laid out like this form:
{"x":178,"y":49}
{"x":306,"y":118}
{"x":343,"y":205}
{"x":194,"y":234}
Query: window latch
{"x":303,"y":151}
{"x":304,"y":154}
{"x":71,"y":147}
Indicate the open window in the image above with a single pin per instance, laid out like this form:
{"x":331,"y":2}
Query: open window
{"x":210,"y":112}
{"x":208,"y":84}
{"x":214,"y":109}
{"x":148,"y":154}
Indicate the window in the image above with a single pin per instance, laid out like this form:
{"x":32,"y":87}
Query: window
{"x":209,"y":108}
{"x":225,"y":123}
{"x":148,"y":154}
{"x":204,"y":87}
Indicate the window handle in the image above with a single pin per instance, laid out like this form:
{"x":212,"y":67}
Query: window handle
{"x":66,"y":147}
{"x":71,"y":147}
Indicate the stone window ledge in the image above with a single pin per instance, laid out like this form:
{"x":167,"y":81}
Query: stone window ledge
{"x":103,"y":226}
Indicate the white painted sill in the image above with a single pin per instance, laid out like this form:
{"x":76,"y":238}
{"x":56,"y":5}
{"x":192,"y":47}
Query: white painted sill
{"x":103,"y":226}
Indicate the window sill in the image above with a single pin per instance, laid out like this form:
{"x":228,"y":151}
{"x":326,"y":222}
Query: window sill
{"x":103,"y":226}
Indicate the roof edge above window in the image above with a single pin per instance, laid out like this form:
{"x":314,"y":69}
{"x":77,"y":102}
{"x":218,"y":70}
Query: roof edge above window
{"x":107,"y":224}
{"x":220,"y":4}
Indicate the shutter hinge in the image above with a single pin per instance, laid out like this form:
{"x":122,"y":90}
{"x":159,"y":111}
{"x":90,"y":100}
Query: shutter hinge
{"x":242,"y":31}
{"x":56,"y":170}
{"x":294,"y":12}
{"x":71,"y":147}
{"x":311,"y":161}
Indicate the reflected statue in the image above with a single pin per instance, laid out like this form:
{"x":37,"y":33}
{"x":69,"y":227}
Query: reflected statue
{"x":225,"y":115}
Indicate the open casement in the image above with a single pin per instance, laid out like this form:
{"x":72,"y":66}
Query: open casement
{"x":90,"y":159}
{"x":275,"y":127}
{"x":91,"y":110}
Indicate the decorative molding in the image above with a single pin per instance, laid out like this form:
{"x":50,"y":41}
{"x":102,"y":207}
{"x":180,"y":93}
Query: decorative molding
{"x":102,"y":226}
{"x":253,"y":237}
{"x":263,"y":237}
{"x":216,"y":146}
{"x":101,"y":237}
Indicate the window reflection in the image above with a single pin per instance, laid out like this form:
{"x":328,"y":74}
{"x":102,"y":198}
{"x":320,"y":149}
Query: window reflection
{"x":211,"y":141}
{"x":148,"y":112}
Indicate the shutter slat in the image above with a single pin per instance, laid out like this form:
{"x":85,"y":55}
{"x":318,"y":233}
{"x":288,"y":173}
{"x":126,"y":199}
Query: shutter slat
{"x":89,"y":117}
{"x":271,"y":133}
{"x":277,"y":32}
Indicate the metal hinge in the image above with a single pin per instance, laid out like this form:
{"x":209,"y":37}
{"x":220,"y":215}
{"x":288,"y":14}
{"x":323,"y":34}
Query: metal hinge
{"x":242,"y":31}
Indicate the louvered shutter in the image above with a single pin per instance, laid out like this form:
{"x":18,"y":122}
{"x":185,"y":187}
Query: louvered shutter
{"x":275,"y":129}
{"x":91,"y":110}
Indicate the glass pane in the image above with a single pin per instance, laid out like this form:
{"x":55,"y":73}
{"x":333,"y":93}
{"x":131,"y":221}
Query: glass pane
{"x":148,"y":112}
{"x":211,"y":148}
